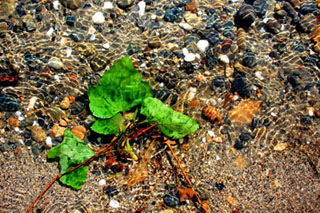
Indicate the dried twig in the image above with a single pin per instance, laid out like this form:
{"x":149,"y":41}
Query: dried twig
{"x":168,"y":143}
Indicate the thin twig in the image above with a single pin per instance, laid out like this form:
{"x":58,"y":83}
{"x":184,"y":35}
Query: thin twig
{"x":144,"y":130}
{"x":184,"y":174}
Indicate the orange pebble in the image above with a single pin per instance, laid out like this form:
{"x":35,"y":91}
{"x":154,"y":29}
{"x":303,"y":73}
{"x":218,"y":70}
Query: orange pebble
{"x":72,"y":99}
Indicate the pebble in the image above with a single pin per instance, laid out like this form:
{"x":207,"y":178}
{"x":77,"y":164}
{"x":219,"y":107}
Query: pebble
{"x":171,"y":200}
{"x":192,"y":5}
{"x":280,"y":147}
{"x":114,"y":204}
{"x":224,"y":59}
{"x":108,"y":5}
{"x":124,"y":3}
{"x":102,"y":182}
{"x":29,"y":23}
{"x":245,"y":16}
{"x":142,"y":8}
{"x":38,"y":134}
{"x":172,"y":14}
{"x":65,"y":103}
{"x":203,"y":45}
{"x":192,"y":19}
{"x":71,"y":4}
{"x":79,"y":131}
{"x":50,"y":32}
{"x":8,"y":104}
{"x":190,"y":57}
{"x":77,"y":36}
{"x":155,"y":42}
{"x":98,"y":18}
{"x":70,"y":20}
{"x":185,"y":26}
{"x":49,"y":141}
{"x":57,"y":131}
{"x":55,"y":63}
{"x":56,"y":4}
{"x":13,"y":122}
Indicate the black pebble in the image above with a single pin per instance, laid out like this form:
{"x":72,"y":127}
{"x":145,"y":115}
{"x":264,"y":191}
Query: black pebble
{"x":220,"y":186}
{"x":35,"y":150}
{"x":111,"y":191}
{"x":306,"y":120}
{"x":28,"y":143}
{"x":241,"y":86}
{"x":244,"y":137}
{"x":8,"y":104}
{"x":171,"y":200}
{"x":172,"y":14}
{"x":238,"y":145}
{"x":70,"y":20}
{"x":217,"y":82}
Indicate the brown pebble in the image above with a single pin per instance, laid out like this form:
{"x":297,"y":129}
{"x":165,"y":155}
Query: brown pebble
{"x":318,"y":113}
{"x":191,"y":5}
{"x":63,"y":123}
{"x":79,"y":131}
{"x":280,"y":147}
{"x":13,"y":122}
{"x":38,"y":134}
{"x":231,"y":200}
{"x":65,"y":103}
{"x":57,"y":131}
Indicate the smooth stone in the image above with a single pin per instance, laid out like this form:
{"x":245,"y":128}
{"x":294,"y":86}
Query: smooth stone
{"x":190,"y":57}
{"x":155,"y":42}
{"x":71,"y":4}
{"x":172,"y":14}
{"x":38,"y":134}
{"x":142,"y":8}
{"x":192,"y":19}
{"x":203,"y":45}
{"x":98,"y":18}
{"x":224,"y":59}
{"x":70,"y":20}
{"x":29,"y":23}
{"x":57,"y":131}
{"x":79,"y":131}
{"x":124,"y":3}
{"x":108,"y":5}
{"x":65,"y":103}
{"x":186,"y":26}
{"x":55,"y":63}
{"x":8,"y":104}
{"x":77,"y":36}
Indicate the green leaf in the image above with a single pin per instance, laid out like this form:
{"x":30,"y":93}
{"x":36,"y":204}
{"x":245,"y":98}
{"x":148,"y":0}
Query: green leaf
{"x":71,"y":152}
{"x":109,"y":126}
{"x":172,"y":124}
{"x":120,"y":89}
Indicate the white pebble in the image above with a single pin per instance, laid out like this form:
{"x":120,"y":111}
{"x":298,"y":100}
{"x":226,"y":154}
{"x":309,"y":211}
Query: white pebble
{"x":49,"y":141}
{"x":185,"y":51}
{"x":98,"y":18}
{"x":211,"y":133}
{"x":203,"y":45}
{"x":57,"y":78}
{"x":102,"y":182}
{"x":20,"y":118}
{"x":142,"y":8}
{"x":143,"y":65}
{"x":92,"y":37}
{"x":68,"y":51}
{"x":16,"y":129}
{"x":107,"y":5}
{"x":259,"y":75}
{"x":106,"y":46}
{"x":56,"y":5}
{"x":192,"y":93}
{"x":18,"y":113}
{"x":204,"y":140}
{"x":153,"y":16}
{"x":224,"y":59}
{"x":114,"y":204}
{"x":20,"y":141}
{"x":50,"y":31}
{"x":217,"y":157}
{"x":161,"y":85}
{"x":55,"y":63}
{"x":186,"y":26}
{"x":190,"y":57}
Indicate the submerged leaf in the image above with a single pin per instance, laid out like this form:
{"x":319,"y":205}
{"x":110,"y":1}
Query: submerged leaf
{"x":120,"y":89}
{"x":71,"y":152}
{"x":173,"y":124}
{"x":111,"y":126}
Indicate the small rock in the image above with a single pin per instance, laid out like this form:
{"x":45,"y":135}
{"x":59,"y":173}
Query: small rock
{"x":280,"y":147}
{"x":114,"y":204}
{"x":8,"y":104}
{"x":231,"y":200}
{"x":79,"y":131}
{"x":172,"y":14}
{"x":63,"y":123}
{"x":70,"y":20}
{"x":245,"y":16}
{"x":102,"y":182}
{"x":142,"y":8}
{"x":71,"y":4}
{"x":13,"y":122}
{"x":124,"y":3}
{"x":38,"y":134}
{"x":203,"y":45}
{"x":155,"y":42}
{"x":77,"y":36}
{"x":224,"y":59}
{"x":190,"y":6}
{"x":192,"y":19}
{"x":57,"y":131}
{"x":306,"y":120}
{"x":49,"y":141}
{"x":98,"y":18}
{"x":108,"y":5}
{"x":65,"y":103}
{"x":171,"y":200}
{"x":190,"y":57}
{"x":29,"y":23}
{"x":55,"y":63}
{"x":186,"y":26}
